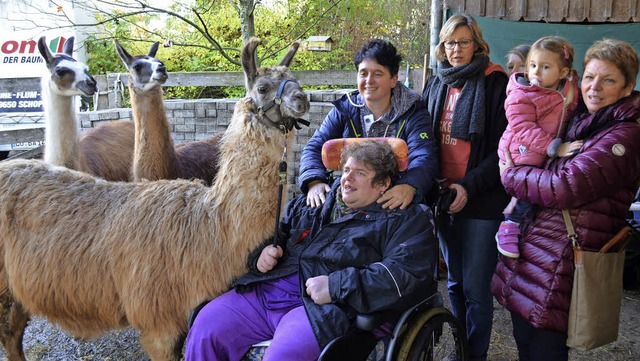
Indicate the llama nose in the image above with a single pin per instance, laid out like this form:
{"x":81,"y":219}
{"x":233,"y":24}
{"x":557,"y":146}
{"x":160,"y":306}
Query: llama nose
{"x":91,"y":81}
{"x":301,"y":96}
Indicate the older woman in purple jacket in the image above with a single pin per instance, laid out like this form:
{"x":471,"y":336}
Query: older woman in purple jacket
{"x":597,"y":186}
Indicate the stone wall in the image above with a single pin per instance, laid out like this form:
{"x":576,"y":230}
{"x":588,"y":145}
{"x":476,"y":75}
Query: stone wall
{"x":198,"y":119}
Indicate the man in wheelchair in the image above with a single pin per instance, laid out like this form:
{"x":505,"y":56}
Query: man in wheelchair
{"x":351,"y":256}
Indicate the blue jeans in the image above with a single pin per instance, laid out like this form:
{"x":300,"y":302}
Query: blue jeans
{"x":519,"y":211}
{"x":469,"y":249}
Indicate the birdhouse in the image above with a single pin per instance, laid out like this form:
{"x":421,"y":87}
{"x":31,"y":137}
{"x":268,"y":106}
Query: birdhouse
{"x":319,"y":43}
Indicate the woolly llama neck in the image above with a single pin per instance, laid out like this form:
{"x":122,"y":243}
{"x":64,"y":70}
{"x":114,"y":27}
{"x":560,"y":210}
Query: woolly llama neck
{"x":60,"y":127}
{"x":154,"y":155}
{"x":68,"y":78}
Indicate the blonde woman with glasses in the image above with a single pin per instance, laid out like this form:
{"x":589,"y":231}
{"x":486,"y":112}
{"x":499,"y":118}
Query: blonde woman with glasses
{"x":466,"y":103}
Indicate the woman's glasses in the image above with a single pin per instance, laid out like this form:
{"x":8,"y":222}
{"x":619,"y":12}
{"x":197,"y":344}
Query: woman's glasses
{"x":463,"y":44}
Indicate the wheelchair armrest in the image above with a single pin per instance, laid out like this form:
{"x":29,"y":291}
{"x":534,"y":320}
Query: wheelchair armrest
{"x":369,"y":321}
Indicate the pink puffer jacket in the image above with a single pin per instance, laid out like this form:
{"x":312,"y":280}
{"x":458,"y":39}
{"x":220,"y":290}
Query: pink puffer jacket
{"x":597,"y":186}
{"x":535,"y":115}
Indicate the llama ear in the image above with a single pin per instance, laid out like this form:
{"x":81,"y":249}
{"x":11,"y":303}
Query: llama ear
{"x":249,"y":61}
{"x":154,"y":49}
{"x":290,"y":54}
{"x":68,"y":46}
{"x":124,"y":56}
{"x":44,"y":51}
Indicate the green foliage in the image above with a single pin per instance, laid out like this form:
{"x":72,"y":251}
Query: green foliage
{"x":202,"y":26}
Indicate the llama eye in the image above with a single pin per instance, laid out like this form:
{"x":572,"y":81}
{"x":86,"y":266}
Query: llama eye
{"x":263,"y":89}
{"x":62,"y":72}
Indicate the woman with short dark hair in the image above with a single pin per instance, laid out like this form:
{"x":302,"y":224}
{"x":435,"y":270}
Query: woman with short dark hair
{"x":381,"y":107}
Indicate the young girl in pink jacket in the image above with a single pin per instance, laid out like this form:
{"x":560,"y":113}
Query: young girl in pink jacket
{"x":538,"y":105}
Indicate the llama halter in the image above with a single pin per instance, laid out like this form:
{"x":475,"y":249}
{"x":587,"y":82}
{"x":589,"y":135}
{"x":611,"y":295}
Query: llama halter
{"x":285,"y":124}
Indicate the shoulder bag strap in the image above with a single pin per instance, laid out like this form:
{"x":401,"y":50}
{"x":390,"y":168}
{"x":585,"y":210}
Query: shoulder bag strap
{"x":573,"y":237}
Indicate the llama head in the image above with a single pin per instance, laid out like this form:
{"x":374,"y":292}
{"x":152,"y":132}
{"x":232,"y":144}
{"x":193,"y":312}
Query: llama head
{"x":278,"y":98}
{"x":145,"y":71}
{"x":69,"y":77}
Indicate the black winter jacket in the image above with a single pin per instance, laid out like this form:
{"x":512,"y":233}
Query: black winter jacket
{"x":376,"y":259}
{"x":487,"y":197}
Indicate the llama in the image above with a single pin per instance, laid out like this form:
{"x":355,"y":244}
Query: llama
{"x":91,"y":255}
{"x":105,"y":151}
{"x":155,"y":156}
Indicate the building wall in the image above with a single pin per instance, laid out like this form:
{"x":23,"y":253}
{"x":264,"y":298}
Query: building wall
{"x":612,"y":11}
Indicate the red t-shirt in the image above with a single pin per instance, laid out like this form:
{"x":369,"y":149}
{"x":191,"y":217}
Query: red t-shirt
{"x":454,"y":152}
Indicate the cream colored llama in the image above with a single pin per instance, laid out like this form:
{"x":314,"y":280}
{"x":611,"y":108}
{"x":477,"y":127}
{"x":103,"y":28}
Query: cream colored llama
{"x":105,"y":151}
{"x":92,"y":255}
{"x":155,"y":156}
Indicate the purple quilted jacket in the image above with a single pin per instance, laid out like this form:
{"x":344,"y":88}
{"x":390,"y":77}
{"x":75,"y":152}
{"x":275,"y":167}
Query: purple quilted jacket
{"x":597,"y":186}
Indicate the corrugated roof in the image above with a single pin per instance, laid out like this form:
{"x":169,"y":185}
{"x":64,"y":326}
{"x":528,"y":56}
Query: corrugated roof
{"x":319,"y":38}
{"x":594,"y":11}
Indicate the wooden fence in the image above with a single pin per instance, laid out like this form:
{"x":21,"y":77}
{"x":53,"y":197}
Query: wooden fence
{"x":112,"y":85}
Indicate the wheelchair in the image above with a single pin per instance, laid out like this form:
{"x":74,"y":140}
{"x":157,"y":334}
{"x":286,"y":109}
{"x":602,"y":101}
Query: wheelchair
{"x":426,"y":331}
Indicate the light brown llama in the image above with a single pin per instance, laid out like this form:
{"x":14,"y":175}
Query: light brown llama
{"x":92,"y":255}
{"x":105,"y":151}
{"x":155,"y":156}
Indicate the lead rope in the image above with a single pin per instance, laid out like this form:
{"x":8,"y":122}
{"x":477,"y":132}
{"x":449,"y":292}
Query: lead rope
{"x":282,"y":169}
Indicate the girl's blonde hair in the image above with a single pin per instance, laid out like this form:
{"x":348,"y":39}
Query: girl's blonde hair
{"x":451,"y":25}
{"x":557,"y":45}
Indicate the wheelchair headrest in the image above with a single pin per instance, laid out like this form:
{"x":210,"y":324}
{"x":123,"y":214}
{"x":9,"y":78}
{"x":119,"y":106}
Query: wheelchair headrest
{"x":332,"y":149}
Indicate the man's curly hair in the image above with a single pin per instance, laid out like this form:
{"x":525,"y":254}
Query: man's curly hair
{"x":377,"y":155}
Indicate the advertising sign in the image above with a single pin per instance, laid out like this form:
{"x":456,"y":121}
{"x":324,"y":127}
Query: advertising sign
{"x":21,"y":59}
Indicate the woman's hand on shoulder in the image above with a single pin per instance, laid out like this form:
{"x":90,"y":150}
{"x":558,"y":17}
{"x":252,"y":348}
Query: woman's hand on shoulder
{"x":316,"y":195}
{"x":400,"y":195}
{"x":269,"y":258}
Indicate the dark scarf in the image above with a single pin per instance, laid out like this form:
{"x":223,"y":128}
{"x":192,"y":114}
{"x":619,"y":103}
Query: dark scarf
{"x":584,"y":125}
{"x":469,"y":115}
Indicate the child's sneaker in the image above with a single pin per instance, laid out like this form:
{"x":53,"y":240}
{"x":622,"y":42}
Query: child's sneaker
{"x":507,"y":239}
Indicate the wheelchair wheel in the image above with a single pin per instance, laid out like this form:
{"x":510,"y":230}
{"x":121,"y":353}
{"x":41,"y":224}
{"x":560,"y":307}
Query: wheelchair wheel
{"x":435,"y":336}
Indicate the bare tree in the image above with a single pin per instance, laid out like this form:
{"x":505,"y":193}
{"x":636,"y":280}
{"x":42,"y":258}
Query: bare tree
{"x":193,"y":14}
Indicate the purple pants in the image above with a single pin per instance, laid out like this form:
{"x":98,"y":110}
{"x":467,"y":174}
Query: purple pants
{"x":227,"y":326}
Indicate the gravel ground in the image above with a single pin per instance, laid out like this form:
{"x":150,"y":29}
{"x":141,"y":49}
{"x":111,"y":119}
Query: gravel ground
{"x":626,"y":348}
{"x":46,"y":342}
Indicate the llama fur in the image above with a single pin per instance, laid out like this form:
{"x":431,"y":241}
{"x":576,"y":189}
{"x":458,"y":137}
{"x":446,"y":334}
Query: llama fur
{"x":92,"y":255}
{"x":155,"y":156}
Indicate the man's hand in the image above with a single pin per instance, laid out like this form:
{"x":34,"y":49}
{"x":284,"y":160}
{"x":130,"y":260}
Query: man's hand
{"x":269,"y":258}
{"x":318,"y":289}
{"x":400,"y":195}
